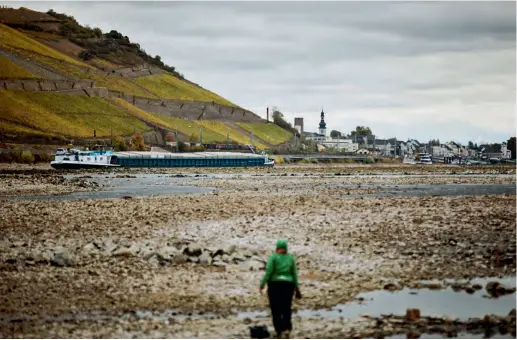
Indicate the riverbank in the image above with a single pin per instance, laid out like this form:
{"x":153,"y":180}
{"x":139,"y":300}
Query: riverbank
{"x":205,"y":253}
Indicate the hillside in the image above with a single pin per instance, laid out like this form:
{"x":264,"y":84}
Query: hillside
{"x":63,"y":81}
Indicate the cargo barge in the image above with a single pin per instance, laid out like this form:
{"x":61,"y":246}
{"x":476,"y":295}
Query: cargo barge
{"x":194,"y":159}
{"x":78,"y":159}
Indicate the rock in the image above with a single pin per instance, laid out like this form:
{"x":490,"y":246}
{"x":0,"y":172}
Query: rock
{"x":62,"y":259}
{"x":258,"y":258}
{"x":252,"y":265}
{"x":205,"y":259}
{"x":390,"y":286}
{"x":122,"y":251}
{"x":412,"y":314}
{"x":496,"y":289}
{"x":217,"y":258}
{"x":236,"y":258}
{"x":227,"y":259}
{"x":193,"y":259}
{"x":229,"y":249}
{"x":90,"y":248}
{"x":110,"y":246}
{"x":413,"y":335}
{"x":477,"y":286}
{"x":470,"y":290}
{"x":491,"y":286}
{"x":219,"y":264}
{"x":194,"y":250}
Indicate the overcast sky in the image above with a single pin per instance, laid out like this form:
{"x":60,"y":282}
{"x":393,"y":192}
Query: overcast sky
{"x":406,"y":69}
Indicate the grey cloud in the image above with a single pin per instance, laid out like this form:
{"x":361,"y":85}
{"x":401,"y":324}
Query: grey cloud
{"x":396,"y":66}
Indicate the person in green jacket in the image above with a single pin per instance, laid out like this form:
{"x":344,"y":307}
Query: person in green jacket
{"x":282,"y":281}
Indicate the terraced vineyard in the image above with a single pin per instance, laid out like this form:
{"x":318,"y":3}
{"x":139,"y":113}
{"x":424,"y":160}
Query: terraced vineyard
{"x":9,"y":70}
{"x":169,"y":87}
{"x":53,"y":59}
{"x":66,"y":115}
{"x":270,"y":133}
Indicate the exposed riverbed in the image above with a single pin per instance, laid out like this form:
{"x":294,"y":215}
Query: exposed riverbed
{"x":179,"y":253}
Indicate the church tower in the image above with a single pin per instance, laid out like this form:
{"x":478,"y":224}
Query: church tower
{"x":323,"y":125}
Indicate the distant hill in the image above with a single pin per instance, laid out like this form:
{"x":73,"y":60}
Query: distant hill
{"x":60,"y":81}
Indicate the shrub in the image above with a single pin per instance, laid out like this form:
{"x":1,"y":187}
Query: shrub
{"x":120,"y":144}
{"x":43,"y":158}
{"x":369,"y":160}
{"x":181,"y":146}
{"x":138,"y":141}
{"x":27,"y":157}
{"x":279,"y":159}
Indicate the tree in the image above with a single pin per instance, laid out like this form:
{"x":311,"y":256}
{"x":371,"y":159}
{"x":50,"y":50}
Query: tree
{"x":335,"y":134}
{"x":511,"y":146}
{"x":470,"y":145}
{"x":434,"y":142}
{"x":362,"y":131}
{"x":120,"y":144}
{"x":138,"y":141}
{"x":278,"y":119}
{"x":193,"y":138}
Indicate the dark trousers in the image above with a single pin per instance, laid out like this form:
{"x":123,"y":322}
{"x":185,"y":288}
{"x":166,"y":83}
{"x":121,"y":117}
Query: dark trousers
{"x":280,"y":295}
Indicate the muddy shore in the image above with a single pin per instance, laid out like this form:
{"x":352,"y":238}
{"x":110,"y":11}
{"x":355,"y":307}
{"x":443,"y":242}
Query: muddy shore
{"x":204,"y":253}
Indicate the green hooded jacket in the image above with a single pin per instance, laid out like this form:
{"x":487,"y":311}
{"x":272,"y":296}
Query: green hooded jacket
{"x":280,"y":267}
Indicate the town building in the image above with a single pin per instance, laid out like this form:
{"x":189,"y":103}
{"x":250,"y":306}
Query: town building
{"x":298,"y":125}
{"x":339,"y":144}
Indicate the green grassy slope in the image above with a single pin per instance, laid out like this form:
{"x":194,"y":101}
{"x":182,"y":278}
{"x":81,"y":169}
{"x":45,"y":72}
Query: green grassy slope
{"x":68,"y":115}
{"x":57,"y":114}
{"x":269,"y":133}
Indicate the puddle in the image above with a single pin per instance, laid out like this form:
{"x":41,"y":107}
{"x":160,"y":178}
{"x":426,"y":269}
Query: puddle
{"x":460,"y":335}
{"x":437,"y":303}
{"x":439,"y":190}
{"x":117,"y":187}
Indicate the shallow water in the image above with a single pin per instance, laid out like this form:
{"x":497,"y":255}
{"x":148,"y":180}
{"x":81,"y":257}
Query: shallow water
{"x":460,"y":335}
{"x":438,"y":303}
{"x":437,"y":190}
{"x":117,"y":187}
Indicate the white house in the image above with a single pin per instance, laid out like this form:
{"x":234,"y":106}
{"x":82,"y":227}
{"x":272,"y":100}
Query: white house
{"x":340,"y":144}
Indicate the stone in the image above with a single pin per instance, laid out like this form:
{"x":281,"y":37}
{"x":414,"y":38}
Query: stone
{"x":390,"y":286}
{"x":62,"y":259}
{"x":412,"y":314}
{"x":193,"y":250}
{"x":226,"y":258}
{"x":229,"y":249}
{"x":217,"y":258}
{"x":193,"y":259}
{"x":205,"y":259}
{"x":219,"y":264}
{"x":253,"y":265}
{"x":238,"y":258}
{"x":122,"y":251}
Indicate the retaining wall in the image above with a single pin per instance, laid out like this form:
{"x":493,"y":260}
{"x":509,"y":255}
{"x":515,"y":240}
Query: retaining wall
{"x":169,"y":107}
{"x":190,"y":110}
{"x":46,"y":85}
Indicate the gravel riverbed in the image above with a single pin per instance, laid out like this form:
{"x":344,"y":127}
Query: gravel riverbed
{"x":106,"y":267}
